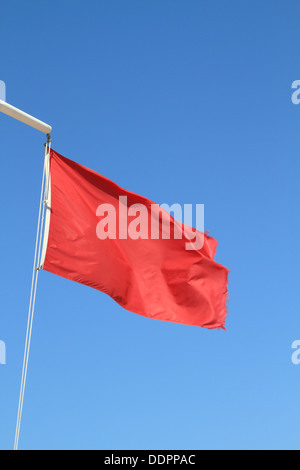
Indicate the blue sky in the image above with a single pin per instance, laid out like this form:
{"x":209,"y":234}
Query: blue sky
{"x":186,"y":102}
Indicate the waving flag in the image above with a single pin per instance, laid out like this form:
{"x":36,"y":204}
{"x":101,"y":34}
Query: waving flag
{"x":113,"y":240}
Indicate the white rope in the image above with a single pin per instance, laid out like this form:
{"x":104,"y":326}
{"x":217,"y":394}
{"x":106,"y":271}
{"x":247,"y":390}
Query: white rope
{"x":35,"y":274}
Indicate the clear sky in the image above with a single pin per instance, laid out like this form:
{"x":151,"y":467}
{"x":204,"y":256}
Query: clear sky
{"x":182,"y":102}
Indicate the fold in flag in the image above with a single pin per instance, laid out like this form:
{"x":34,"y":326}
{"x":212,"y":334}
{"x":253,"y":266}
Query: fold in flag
{"x":114,"y":240}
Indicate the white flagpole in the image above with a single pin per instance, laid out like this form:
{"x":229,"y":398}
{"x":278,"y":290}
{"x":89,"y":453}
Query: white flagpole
{"x":35,"y":274}
{"x":24,"y":117}
{"x":46,"y":129}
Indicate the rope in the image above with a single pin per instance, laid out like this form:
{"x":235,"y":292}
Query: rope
{"x":35,"y":274}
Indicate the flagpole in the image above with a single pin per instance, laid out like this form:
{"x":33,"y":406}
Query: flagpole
{"x":41,"y":126}
{"x":34,"y":281}
{"x":16,"y":113}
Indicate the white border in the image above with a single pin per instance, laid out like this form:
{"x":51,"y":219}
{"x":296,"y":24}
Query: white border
{"x":48,"y":208}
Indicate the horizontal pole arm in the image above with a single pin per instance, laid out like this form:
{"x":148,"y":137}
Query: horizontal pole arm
{"x":24,"y":117}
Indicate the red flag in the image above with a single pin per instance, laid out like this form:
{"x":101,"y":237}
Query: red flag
{"x":104,"y":236}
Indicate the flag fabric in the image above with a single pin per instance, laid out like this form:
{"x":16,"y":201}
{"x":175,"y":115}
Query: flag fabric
{"x":97,"y":238}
